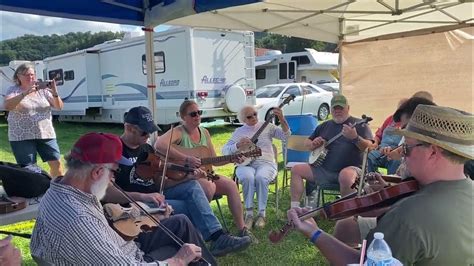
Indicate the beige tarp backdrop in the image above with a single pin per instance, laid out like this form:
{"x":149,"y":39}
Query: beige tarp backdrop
{"x":377,"y":74}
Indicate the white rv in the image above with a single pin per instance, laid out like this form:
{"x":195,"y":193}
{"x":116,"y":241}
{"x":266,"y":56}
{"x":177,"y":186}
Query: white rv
{"x":213,"y":67}
{"x":309,"y":66}
{"x":6,"y":76}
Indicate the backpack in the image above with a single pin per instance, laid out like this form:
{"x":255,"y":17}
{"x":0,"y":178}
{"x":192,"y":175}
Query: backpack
{"x":19,"y":181}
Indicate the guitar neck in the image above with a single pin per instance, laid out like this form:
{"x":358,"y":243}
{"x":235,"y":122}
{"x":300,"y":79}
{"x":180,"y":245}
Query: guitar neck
{"x":340,"y":134}
{"x":218,"y":159}
{"x":260,"y":130}
{"x":265,"y":124}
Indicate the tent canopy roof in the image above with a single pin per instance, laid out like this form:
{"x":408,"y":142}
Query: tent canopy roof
{"x":325,"y":20}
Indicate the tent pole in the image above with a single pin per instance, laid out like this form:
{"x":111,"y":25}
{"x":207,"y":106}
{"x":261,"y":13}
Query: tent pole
{"x":150,"y":71}
{"x":341,"y":40}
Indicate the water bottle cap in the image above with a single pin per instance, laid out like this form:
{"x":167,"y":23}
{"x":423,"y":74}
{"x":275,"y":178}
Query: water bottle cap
{"x":378,"y":235}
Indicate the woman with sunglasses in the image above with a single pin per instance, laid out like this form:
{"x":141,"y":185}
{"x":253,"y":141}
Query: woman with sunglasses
{"x":189,"y":135}
{"x":256,"y":176}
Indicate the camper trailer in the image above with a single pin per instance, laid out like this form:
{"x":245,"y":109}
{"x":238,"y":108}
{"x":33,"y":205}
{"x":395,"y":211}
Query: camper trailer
{"x":215,"y":68}
{"x":309,"y":66}
{"x":6,"y":77}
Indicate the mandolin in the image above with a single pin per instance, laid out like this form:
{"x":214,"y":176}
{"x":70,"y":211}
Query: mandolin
{"x":257,"y":134}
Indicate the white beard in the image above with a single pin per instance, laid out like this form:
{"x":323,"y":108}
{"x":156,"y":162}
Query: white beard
{"x":99,"y":188}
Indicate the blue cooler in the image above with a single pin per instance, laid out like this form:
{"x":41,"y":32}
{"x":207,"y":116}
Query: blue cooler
{"x":300,"y":125}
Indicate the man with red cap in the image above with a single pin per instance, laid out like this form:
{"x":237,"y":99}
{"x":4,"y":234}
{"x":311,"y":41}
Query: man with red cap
{"x":71,"y":228}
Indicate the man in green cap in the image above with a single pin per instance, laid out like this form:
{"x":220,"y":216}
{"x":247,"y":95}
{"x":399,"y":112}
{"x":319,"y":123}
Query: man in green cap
{"x":343,"y":153}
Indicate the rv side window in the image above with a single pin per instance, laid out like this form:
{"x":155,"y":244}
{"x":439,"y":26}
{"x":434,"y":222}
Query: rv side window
{"x":260,"y":73}
{"x":57,"y":75}
{"x":159,"y":63}
{"x":301,"y":60}
{"x":69,"y":75}
{"x":283,"y":71}
{"x":291,"y":70}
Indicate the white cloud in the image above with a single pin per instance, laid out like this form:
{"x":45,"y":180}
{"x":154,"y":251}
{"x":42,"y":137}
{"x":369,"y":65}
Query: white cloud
{"x":16,"y":24}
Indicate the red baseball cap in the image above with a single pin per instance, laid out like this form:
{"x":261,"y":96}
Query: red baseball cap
{"x":99,"y":148}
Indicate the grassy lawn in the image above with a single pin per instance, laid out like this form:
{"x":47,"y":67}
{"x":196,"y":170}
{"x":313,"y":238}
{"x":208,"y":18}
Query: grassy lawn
{"x":293,"y":250}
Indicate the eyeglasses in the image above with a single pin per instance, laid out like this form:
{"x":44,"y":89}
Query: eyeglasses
{"x":195,"y":113}
{"x":406,"y":149}
{"x":114,"y":171}
{"x":250,"y":116}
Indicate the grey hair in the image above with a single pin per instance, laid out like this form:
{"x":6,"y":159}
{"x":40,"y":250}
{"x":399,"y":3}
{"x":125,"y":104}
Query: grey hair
{"x":241,"y":114}
{"x":21,"y":69}
{"x":80,"y":169}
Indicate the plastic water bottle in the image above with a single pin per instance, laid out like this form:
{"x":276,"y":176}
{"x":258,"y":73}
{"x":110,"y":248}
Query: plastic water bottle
{"x":379,"y":253}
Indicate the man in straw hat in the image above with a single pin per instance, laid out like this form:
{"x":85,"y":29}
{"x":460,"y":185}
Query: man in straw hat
{"x":434,"y":226}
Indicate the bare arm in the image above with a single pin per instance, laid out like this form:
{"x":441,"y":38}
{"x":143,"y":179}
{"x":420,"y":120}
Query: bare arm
{"x":11,"y":101}
{"x":163,"y":141}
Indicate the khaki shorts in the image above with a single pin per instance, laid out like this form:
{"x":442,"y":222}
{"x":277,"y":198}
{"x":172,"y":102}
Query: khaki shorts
{"x":365,"y":225}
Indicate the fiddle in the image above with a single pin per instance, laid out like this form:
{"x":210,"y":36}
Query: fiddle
{"x":130,"y":221}
{"x":167,"y":231}
{"x":352,"y":205}
{"x":149,"y":165}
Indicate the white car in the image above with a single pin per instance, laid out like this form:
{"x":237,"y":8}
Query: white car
{"x":309,"y":99}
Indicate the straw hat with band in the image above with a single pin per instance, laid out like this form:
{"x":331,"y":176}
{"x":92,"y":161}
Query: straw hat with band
{"x":448,"y":128}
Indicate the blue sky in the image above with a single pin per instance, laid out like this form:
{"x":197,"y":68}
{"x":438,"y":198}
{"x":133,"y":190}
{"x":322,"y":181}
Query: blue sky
{"x":17,"y":24}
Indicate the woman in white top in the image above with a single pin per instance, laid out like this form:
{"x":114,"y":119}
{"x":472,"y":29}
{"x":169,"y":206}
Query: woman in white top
{"x":30,"y":126}
{"x":257,"y":175}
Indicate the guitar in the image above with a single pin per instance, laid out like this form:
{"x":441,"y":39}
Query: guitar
{"x":207,"y":161}
{"x":257,"y":134}
{"x":318,"y":155}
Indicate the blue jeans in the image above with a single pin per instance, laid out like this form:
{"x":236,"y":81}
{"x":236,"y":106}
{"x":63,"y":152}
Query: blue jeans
{"x":25,"y":150}
{"x":196,"y":206}
{"x":375,"y":160}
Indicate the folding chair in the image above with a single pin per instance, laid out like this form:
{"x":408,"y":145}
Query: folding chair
{"x":294,"y":143}
{"x":216,"y":198}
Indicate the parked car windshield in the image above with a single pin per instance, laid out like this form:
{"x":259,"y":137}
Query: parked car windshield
{"x":269,"y":91}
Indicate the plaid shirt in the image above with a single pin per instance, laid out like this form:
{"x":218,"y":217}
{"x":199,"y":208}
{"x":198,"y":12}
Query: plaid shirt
{"x":71,"y":229}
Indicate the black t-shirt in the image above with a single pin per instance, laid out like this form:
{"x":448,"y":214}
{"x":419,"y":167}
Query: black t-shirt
{"x":127,"y":179}
{"x":342,"y":152}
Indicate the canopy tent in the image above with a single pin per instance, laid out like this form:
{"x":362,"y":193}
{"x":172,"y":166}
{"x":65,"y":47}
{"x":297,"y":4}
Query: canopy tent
{"x":377,"y":74}
{"x":326,"y":20}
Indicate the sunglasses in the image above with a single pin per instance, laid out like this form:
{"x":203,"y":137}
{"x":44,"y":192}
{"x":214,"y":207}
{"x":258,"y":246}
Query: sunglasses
{"x":252,"y":115}
{"x":141,"y":132}
{"x":407,"y":149}
{"x":195,"y":113}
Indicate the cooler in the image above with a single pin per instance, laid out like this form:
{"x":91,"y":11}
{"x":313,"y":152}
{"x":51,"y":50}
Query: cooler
{"x":302,"y":125}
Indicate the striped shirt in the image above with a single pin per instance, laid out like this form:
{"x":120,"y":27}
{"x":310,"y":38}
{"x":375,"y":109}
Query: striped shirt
{"x":71,"y":229}
{"x":264,"y":140}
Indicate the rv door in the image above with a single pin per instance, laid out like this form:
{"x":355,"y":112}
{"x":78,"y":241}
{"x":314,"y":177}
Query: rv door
{"x":287,"y":72}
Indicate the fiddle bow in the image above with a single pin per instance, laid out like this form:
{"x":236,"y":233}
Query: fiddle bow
{"x":167,"y":231}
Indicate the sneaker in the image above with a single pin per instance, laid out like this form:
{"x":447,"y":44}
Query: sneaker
{"x":227,"y":243}
{"x":260,"y":223}
{"x":246,"y":232}
{"x":248,"y":221}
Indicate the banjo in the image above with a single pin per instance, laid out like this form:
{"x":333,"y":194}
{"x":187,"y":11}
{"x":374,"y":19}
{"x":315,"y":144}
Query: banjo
{"x":317,"y":156}
{"x":254,"y":138}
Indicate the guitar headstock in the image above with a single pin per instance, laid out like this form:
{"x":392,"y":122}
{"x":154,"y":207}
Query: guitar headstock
{"x":365,"y":119}
{"x":287,"y":100}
